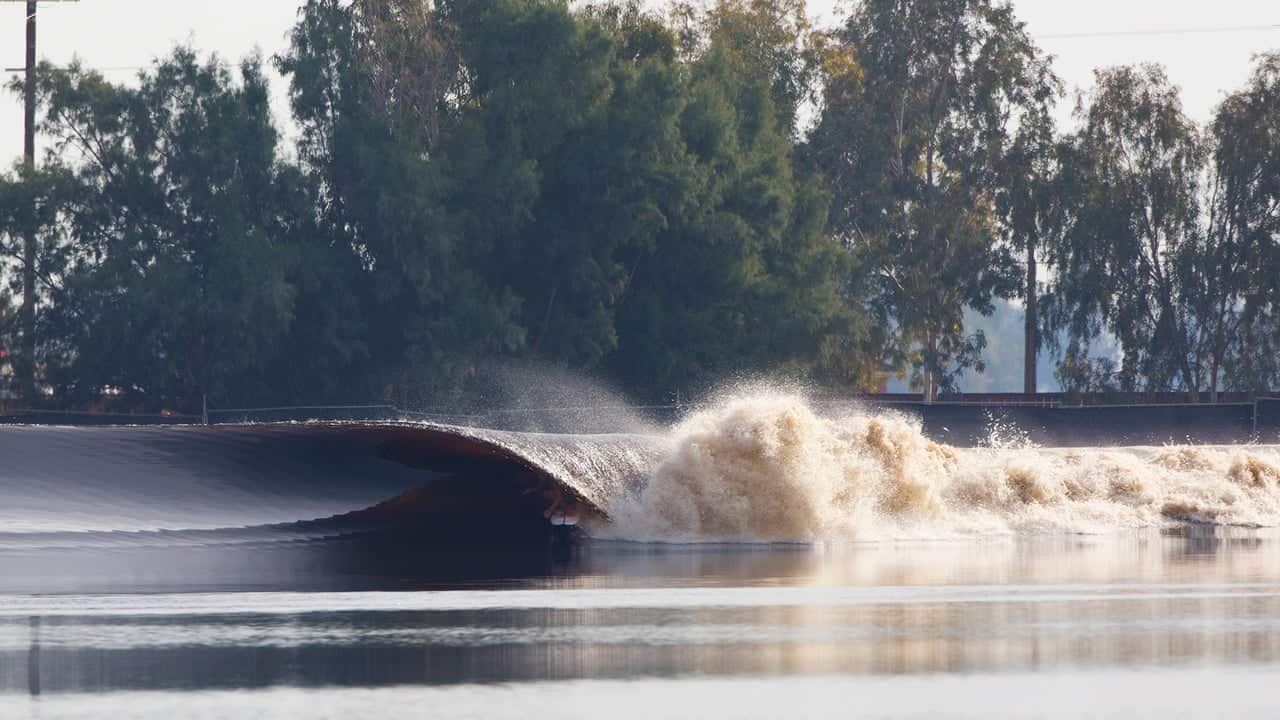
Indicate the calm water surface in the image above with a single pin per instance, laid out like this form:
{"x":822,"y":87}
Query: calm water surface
{"x":1141,"y":624}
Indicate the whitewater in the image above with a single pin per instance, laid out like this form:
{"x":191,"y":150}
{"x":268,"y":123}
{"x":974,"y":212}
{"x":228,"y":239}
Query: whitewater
{"x":768,"y":467}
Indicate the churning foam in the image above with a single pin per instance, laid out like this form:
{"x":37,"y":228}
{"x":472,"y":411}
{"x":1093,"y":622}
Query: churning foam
{"x":769,"y":468}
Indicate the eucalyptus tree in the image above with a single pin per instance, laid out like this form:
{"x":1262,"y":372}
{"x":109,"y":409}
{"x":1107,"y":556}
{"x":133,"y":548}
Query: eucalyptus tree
{"x":1237,"y":277}
{"x":915,"y":144}
{"x":1033,"y":215}
{"x":1127,"y":261}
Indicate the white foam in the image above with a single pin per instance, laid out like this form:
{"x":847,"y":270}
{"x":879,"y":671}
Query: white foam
{"x":767,"y":467}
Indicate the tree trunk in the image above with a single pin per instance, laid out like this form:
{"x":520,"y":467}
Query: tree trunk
{"x":1031,"y":328}
{"x":1218,"y":352}
{"x":1213,"y":381}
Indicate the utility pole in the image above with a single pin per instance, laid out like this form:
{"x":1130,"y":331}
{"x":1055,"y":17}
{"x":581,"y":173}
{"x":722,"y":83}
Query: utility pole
{"x":27,"y":366}
{"x":1031,"y":339}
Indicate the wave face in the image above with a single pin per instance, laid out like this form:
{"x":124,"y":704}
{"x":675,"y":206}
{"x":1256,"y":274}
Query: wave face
{"x":769,"y":468}
{"x":166,"y":485}
{"x":148,"y":479}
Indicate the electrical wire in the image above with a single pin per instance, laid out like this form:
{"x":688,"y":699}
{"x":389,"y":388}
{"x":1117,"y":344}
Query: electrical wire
{"x":1151,"y":32}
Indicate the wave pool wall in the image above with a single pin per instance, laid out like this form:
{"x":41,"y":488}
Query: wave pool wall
{"x":978,"y":424}
{"x":960,"y":424}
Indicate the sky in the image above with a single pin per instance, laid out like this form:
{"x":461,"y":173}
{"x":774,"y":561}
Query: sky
{"x":1200,"y":43}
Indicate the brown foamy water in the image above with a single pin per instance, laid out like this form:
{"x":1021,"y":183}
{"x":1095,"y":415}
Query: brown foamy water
{"x":768,"y":468}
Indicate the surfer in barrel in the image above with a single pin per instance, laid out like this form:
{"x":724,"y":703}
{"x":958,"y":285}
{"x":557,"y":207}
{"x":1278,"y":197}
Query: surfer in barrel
{"x":562,"y":508}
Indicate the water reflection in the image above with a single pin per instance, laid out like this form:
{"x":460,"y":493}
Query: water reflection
{"x":33,"y":658}
{"x":1194,"y":598}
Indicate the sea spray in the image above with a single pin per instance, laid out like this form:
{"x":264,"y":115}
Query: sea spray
{"x":766,"y":467}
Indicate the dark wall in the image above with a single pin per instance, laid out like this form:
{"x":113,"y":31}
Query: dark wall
{"x":1269,"y":420}
{"x":80,"y":419}
{"x":225,"y":417}
{"x":972,"y":424}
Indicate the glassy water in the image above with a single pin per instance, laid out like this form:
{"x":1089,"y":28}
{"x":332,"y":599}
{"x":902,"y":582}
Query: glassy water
{"x":1139,"y":624}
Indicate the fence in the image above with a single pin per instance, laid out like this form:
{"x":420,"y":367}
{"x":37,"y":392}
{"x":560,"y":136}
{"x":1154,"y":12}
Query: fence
{"x":958,"y":423}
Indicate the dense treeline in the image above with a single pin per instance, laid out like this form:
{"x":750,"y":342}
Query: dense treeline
{"x":662,"y":199}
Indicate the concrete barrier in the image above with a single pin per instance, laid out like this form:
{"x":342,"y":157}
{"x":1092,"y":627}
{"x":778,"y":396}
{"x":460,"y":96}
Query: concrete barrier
{"x":978,"y":424}
{"x":1267,"y":420}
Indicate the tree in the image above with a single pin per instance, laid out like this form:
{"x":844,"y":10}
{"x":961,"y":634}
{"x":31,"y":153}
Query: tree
{"x":1030,"y":195}
{"x":743,"y":276}
{"x":1237,"y":276}
{"x":1126,"y":262}
{"x":771,"y":40}
{"x":8,"y":333}
{"x":30,"y":207}
{"x":177,"y":218}
{"x":9,"y":237}
{"x":915,"y":147}
{"x":595,"y":187}
{"x":374,"y":85}
{"x":568,"y":107}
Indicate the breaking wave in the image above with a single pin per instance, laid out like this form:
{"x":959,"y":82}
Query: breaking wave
{"x":760,"y":466}
{"x":770,"y":468}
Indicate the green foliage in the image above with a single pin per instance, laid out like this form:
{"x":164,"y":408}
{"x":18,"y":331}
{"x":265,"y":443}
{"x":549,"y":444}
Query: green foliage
{"x":1237,"y":280}
{"x":1135,"y":261}
{"x":914,"y":139}
{"x":1079,"y":376}
{"x":1171,"y":241}
{"x":571,"y":142}
{"x":663,"y":200}
{"x":771,"y":41}
{"x":588,"y":194}
{"x":13,"y":197}
{"x":743,"y":276}
{"x":175,"y":284}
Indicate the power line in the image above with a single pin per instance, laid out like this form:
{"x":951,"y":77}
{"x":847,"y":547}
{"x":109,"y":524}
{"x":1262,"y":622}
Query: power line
{"x":96,"y":68}
{"x":1148,"y":32}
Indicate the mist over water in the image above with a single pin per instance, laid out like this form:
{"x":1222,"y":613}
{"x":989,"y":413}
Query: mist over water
{"x":766,"y":466}
{"x":548,"y":399}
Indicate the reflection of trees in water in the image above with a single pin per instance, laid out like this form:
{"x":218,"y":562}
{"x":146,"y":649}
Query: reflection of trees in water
{"x":33,"y":658}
